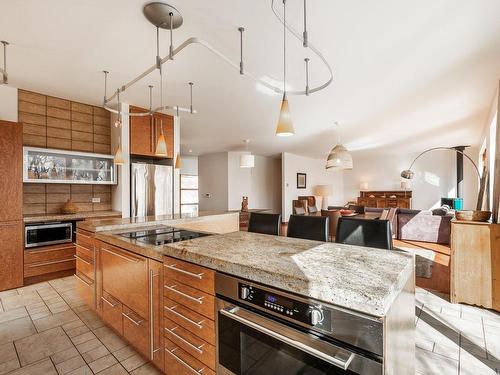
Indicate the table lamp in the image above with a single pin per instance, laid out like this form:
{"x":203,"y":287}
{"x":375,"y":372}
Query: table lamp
{"x":323,"y":191}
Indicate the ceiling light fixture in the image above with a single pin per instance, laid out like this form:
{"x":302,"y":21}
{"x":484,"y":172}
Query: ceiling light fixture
{"x":165,"y":16}
{"x":161,"y":144}
{"x":118,"y":154}
{"x":5,"y":76}
{"x":284,"y":128}
{"x":339,"y":157}
{"x":247,"y":160}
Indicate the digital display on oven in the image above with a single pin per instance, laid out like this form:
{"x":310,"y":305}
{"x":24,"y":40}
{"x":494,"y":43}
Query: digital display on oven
{"x":280,"y":301}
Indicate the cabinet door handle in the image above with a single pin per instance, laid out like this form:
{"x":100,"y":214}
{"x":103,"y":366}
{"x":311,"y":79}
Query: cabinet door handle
{"x":83,"y":281}
{"x":48,"y":263}
{"x":130,"y":259}
{"x":174,"y":267}
{"x":136,"y":322}
{"x":172,"y":310}
{"x":109,"y":303}
{"x":192,"y":346}
{"x":194,"y":299}
{"x":185,"y":364}
{"x":83,"y":260}
{"x":152,"y":350}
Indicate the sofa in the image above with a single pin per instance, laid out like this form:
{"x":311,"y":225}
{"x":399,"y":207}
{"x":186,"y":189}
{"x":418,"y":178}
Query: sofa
{"x":420,"y":225}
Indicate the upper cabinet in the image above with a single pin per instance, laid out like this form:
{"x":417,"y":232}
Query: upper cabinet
{"x":145,"y":131}
{"x":67,"y":167}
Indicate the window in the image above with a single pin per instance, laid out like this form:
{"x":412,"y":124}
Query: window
{"x":189,"y":194}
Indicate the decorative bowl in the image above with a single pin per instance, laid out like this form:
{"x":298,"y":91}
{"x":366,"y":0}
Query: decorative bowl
{"x":472,"y":215}
{"x":69,"y":207}
{"x":347,"y":212}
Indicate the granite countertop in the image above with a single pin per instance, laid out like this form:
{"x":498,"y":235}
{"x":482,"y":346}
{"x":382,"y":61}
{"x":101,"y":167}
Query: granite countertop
{"x":148,"y":221}
{"x":358,"y":278}
{"x":39,"y":218}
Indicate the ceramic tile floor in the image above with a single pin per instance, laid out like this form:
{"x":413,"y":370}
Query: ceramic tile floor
{"x":47,"y":329}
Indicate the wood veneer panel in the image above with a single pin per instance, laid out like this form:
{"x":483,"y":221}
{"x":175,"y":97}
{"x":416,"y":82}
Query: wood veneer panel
{"x":53,"y":208}
{"x":82,"y":146}
{"x":105,"y":197}
{"x":58,"y":133}
{"x":102,"y":188}
{"x":102,"y":149}
{"x":82,"y":108}
{"x":35,"y":130}
{"x":99,"y":111}
{"x":11,"y":256}
{"x":81,"y":189}
{"x":57,"y":189}
{"x":57,"y":198}
{"x":81,"y":136}
{"x":11,"y":170}
{"x":58,"y":123}
{"x":81,"y":117}
{"x":82,"y":127}
{"x":102,"y":139}
{"x":103,"y":130}
{"x":58,"y":103}
{"x":102,"y":121}
{"x":33,"y":198}
{"x":64,"y":144}
{"x":58,"y":113}
{"x":34,"y":209}
{"x":32,"y":108}
{"x":32,"y":97}
{"x":30,"y":118}
{"x":34,"y":188}
{"x":81,"y":198}
{"x":101,"y":206}
{"x":34,"y":140}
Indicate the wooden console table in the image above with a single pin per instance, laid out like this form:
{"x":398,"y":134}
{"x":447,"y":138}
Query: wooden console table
{"x":385,"y":199}
{"x":475,"y":263}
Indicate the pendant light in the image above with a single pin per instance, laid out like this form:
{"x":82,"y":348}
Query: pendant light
{"x":118,"y":154}
{"x":247,"y":160}
{"x":339,"y":157}
{"x":161,"y":144}
{"x":178,"y":161}
{"x":284,"y":128}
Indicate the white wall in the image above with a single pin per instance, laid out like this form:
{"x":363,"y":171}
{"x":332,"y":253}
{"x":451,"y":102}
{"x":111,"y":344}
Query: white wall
{"x":316,"y":175}
{"x":8,"y":103}
{"x":212,"y":179}
{"x":189,"y":165}
{"x":261,"y":184}
{"x":435,"y":176}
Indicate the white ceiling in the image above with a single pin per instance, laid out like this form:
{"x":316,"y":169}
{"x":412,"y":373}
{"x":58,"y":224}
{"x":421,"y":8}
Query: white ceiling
{"x":407,"y":74}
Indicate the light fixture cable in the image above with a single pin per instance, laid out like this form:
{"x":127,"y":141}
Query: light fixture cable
{"x":304,"y":34}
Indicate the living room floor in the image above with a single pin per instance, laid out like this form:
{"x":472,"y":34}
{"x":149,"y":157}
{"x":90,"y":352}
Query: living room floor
{"x":47,"y":329}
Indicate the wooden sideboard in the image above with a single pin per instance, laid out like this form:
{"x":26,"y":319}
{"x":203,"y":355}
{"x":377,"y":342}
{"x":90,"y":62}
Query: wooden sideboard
{"x":475,"y":263}
{"x":385,"y":199}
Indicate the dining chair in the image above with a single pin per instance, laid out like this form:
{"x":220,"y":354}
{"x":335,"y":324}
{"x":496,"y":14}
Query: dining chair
{"x":360,"y":232}
{"x":384,"y":214}
{"x":264,"y":223}
{"x":333,"y":219}
{"x":308,"y":227}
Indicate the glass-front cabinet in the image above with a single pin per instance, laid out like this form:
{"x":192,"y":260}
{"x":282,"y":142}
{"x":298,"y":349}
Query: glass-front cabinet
{"x":44,"y":165}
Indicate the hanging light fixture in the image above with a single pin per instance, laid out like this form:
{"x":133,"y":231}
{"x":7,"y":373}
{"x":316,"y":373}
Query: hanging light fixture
{"x":247,"y":160}
{"x":339,"y":157}
{"x":284,"y":128}
{"x":178,"y":161}
{"x":161,"y":144}
{"x":118,"y":154}
{"x":5,"y":76}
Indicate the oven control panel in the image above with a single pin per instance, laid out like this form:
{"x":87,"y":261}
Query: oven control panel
{"x":313,"y":315}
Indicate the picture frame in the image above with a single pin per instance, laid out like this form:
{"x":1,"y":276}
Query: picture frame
{"x":301,"y":181}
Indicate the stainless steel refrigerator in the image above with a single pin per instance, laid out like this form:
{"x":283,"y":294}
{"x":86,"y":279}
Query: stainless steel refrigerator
{"x":151,"y":191}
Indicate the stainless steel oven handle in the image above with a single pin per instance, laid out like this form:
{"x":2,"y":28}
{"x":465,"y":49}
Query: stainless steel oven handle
{"x":259,"y":323}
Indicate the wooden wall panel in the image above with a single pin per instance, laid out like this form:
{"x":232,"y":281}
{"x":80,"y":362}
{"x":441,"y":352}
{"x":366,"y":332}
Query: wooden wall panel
{"x":62,"y":124}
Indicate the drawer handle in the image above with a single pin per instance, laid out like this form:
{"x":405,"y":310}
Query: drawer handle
{"x":108,"y":302}
{"x":83,"y":260}
{"x":83,"y":281}
{"x":136,"y":322}
{"x":83,"y":247}
{"x":174,"y":267}
{"x":197,"y":300}
{"x":172,"y":310}
{"x":185,"y":364}
{"x":192,"y":346}
{"x":133,"y":260}
{"x":34,"y":265}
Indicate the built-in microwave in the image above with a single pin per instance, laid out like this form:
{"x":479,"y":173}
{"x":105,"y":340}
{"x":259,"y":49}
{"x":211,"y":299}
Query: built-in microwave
{"x":43,"y":234}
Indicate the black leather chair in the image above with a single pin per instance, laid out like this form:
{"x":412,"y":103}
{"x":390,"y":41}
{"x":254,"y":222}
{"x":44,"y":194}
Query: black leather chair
{"x":360,"y":232}
{"x":264,"y":223}
{"x":308,"y":227}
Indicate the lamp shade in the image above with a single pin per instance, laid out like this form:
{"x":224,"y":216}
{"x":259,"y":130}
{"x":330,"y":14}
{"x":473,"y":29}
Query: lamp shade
{"x":284,"y":128}
{"x":247,"y":161}
{"x":178,"y":162}
{"x":323,"y":190}
{"x":339,"y":158}
{"x":161,"y":146}
{"x":118,"y":156}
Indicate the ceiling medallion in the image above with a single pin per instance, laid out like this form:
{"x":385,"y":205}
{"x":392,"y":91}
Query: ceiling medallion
{"x":165,"y":16}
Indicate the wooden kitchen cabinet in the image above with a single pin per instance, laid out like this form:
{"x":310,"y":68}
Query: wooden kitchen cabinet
{"x":145,"y":130}
{"x":125,"y":276}
{"x":43,"y":262}
{"x":11,"y":209}
{"x":156,"y":313}
{"x":136,"y":330}
{"x":179,"y":362}
{"x":112,"y":310}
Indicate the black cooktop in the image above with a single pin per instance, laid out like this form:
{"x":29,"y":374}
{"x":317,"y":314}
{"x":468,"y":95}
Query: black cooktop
{"x":164,"y":235}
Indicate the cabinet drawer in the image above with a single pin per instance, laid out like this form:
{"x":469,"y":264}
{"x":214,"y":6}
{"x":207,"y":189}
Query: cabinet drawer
{"x":84,"y":266}
{"x":196,"y":323}
{"x":190,"y":343}
{"x":136,"y":330}
{"x":195,"y":299}
{"x":85,"y":289}
{"x":112,"y":312}
{"x":191,"y":274}
{"x":178,"y":362}
{"x":43,"y":268}
{"x":85,"y":252}
{"x":85,"y":239}
{"x":125,"y":276}
{"x":48,"y":253}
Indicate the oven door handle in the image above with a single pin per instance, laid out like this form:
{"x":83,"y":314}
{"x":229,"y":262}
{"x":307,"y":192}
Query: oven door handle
{"x":339,"y":357}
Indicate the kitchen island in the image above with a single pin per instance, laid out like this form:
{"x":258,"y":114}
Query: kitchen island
{"x":370,"y":284}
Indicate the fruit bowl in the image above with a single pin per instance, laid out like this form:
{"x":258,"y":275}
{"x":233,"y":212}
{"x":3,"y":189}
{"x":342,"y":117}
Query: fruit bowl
{"x":347,"y":213}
